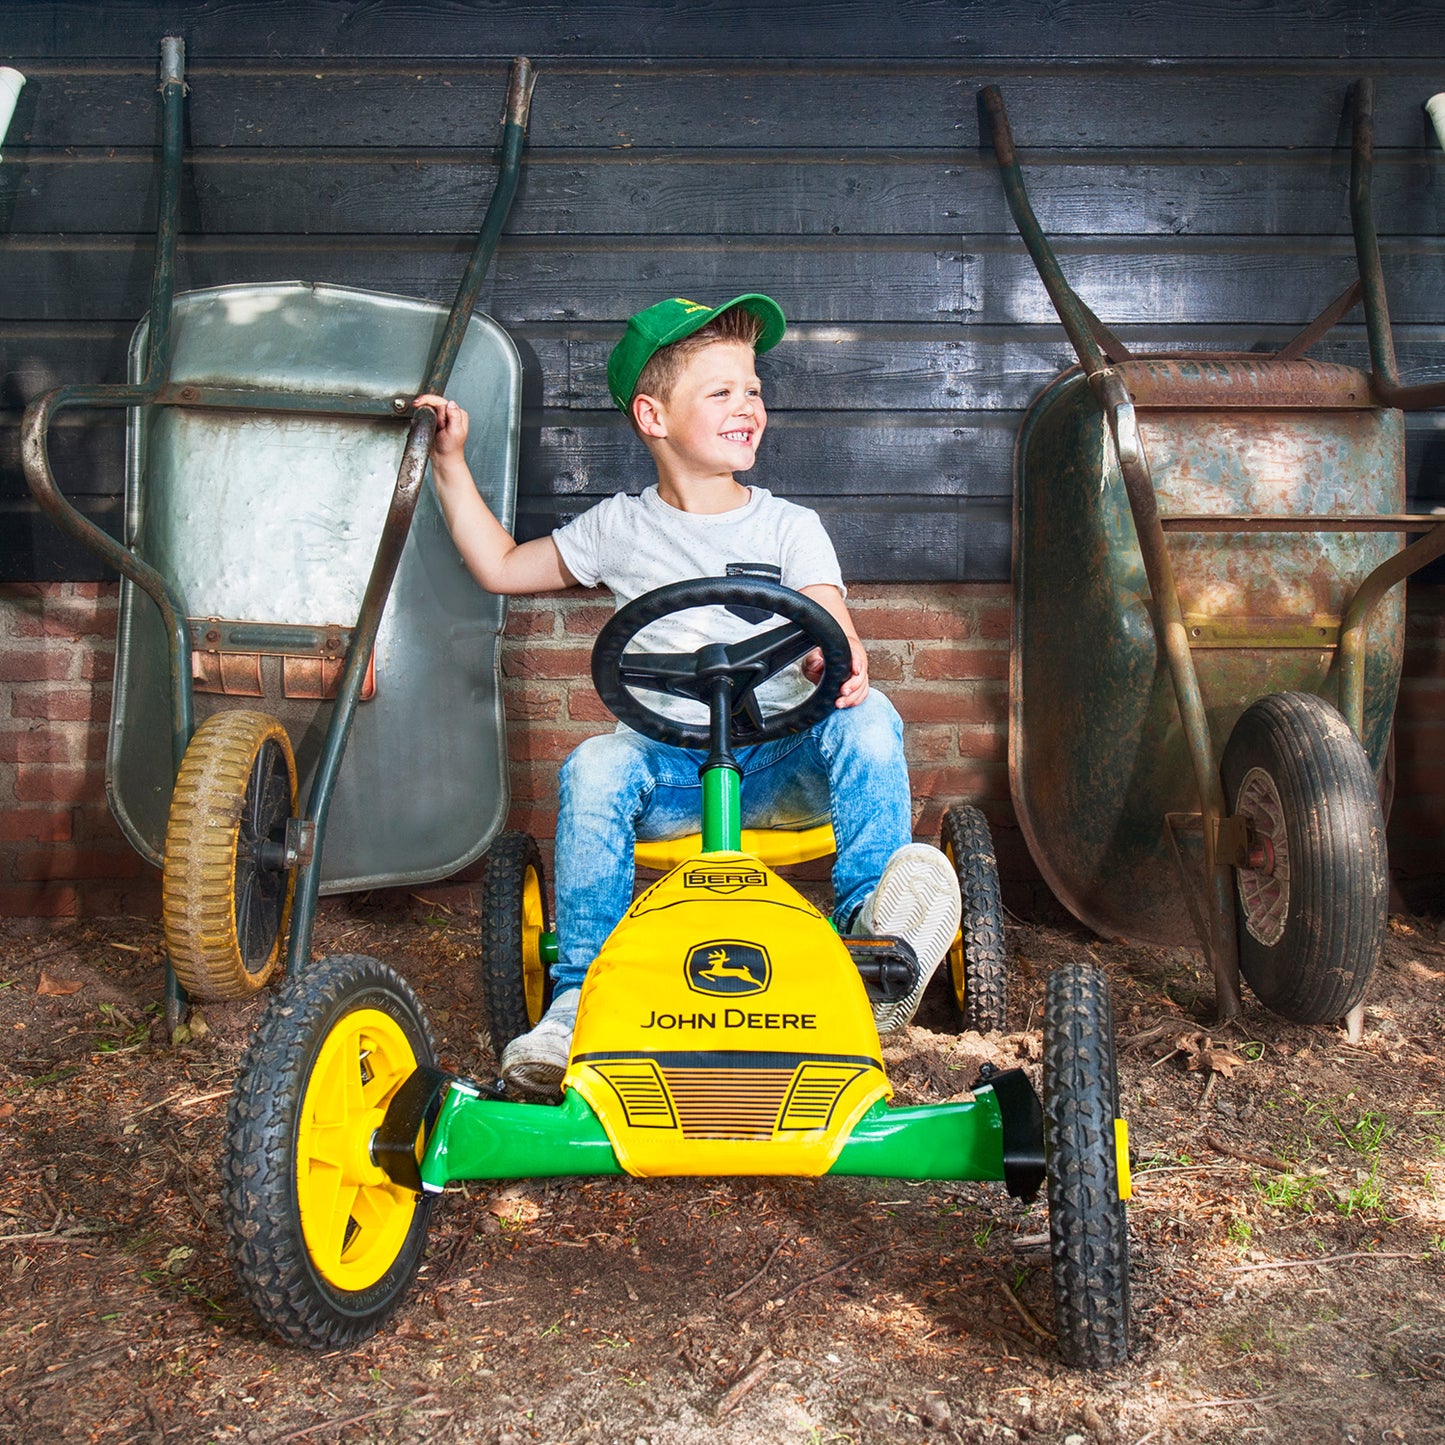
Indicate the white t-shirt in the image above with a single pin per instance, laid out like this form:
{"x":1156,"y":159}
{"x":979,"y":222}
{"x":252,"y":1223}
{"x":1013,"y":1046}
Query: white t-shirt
{"x":633,"y":545}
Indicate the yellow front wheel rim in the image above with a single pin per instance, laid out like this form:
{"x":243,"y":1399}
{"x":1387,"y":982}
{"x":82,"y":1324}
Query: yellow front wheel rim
{"x":354,"y":1219}
{"x":1121,"y":1155}
{"x":534,"y":923}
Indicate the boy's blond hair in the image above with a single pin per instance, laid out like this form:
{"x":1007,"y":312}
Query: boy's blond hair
{"x":660,"y":374}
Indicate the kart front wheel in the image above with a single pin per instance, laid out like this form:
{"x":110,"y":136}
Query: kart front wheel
{"x":977,"y":964}
{"x":515,"y":981}
{"x":325,"y":1244}
{"x":225,"y":887}
{"x":1087,"y":1158}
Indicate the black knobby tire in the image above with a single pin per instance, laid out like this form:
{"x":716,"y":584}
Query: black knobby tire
{"x":316,"y":1276}
{"x":516,"y":983}
{"x":1088,"y":1223}
{"x":977,"y":961}
{"x":1312,"y":918}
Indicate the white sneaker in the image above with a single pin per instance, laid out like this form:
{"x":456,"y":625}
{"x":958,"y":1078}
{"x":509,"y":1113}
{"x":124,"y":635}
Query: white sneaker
{"x":917,"y":900}
{"x":534,"y":1062}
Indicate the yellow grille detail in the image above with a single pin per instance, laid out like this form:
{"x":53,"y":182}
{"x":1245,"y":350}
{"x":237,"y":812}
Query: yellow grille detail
{"x":815,"y":1092}
{"x":641,"y":1092}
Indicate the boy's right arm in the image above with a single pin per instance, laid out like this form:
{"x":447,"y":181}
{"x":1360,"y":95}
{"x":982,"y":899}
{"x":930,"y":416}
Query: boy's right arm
{"x":493,"y":557}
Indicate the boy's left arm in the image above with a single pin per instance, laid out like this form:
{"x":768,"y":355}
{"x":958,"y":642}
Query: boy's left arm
{"x":855,"y":687}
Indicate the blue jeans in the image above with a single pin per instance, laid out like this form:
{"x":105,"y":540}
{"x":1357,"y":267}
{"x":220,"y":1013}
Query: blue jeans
{"x":619,"y":787}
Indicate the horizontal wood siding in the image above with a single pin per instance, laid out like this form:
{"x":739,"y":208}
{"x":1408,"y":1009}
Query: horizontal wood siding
{"x":1190,"y":161}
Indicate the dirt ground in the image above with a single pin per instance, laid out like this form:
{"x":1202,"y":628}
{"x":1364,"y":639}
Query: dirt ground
{"x":1287,"y":1237}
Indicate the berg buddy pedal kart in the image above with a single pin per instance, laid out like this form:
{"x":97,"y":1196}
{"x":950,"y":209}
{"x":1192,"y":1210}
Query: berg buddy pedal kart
{"x":724,"y":1029}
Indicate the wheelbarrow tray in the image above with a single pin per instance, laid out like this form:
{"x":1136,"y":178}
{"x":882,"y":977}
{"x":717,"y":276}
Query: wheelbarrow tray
{"x":1098,"y":758}
{"x":266,"y":517}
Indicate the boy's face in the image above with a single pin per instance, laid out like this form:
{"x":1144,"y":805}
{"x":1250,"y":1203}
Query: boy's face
{"x":715,"y":417}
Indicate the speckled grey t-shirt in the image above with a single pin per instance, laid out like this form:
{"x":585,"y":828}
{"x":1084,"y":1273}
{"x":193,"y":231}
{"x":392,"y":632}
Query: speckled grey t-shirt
{"x":632,"y":545}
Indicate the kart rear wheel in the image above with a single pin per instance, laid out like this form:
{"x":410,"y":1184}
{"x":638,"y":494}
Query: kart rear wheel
{"x":1086,"y":1152}
{"x":515,"y":981}
{"x":324,"y":1244}
{"x":225,"y":888}
{"x":1312,"y":915}
{"x":977,"y":963}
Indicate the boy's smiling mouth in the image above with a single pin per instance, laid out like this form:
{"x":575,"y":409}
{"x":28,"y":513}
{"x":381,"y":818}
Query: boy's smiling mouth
{"x":744,"y":435}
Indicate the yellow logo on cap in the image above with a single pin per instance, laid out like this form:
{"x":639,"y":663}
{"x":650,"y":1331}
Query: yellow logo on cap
{"x":691,"y":305}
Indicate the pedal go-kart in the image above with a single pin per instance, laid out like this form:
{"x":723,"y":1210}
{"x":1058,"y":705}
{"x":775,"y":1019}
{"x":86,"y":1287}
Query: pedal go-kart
{"x":725,"y":1029}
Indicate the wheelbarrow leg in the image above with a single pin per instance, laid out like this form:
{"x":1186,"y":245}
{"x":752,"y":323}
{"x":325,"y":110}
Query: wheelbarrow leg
{"x":1223,"y":945}
{"x":177,"y":1002}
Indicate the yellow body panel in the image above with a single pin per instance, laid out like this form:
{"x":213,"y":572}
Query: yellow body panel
{"x":724,"y":1029}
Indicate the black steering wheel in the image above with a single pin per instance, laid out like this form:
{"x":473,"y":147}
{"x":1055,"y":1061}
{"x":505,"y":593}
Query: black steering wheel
{"x":723,"y":677}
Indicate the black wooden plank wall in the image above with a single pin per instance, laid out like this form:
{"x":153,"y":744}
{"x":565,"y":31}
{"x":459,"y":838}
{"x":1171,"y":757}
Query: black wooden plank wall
{"x":1191,"y":162}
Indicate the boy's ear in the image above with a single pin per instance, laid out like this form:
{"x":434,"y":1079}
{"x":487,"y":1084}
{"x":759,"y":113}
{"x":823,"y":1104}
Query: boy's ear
{"x":647,"y":415}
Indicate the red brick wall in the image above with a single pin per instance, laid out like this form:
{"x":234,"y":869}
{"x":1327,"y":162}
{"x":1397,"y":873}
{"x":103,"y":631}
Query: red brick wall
{"x":941,"y":653}
{"x":61,"y":853}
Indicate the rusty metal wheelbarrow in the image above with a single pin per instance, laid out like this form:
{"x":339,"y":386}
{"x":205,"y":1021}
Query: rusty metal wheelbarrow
{"x":1206,"y":646}
{"x":273,"y":497}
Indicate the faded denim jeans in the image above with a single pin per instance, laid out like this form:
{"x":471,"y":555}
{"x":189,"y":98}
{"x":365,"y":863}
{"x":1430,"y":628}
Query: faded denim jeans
{"x":621,"y":786}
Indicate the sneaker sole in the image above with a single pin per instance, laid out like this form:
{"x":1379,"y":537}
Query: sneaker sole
{"x":534,"y":1077}
{"x":918,"y":901}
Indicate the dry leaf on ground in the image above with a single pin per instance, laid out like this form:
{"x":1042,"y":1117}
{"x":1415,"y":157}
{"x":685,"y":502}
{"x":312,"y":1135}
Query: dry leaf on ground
{"x":53,"y":984}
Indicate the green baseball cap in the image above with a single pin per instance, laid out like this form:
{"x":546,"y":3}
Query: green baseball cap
{"x":670,"y":321}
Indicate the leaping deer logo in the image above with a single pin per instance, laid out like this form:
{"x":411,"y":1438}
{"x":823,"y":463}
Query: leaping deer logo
{"x":718,"y":967}
{"x":728,"y":966}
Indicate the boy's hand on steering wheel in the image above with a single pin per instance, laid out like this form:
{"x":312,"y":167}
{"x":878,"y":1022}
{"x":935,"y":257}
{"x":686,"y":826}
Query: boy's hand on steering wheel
{"x":855,"y":686}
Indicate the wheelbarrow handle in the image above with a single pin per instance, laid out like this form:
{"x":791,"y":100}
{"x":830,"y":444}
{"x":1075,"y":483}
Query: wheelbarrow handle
{"x":519,"y":92}
{"x":519,"y":104}
{"x":1092,"y":341}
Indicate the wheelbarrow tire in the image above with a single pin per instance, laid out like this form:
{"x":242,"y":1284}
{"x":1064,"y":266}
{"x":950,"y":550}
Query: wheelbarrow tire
{"x":516,"y":983}
{"x":1312,"y":920}
{"x":1088,"y":1222}
{"x":324,"y":1245}
{"x":977,"y":961}
{"x":225,"y":897}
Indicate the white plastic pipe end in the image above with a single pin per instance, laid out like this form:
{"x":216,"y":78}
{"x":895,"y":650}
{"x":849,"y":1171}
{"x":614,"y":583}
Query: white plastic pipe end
{"x":1435,"y":108}
{"x":10,"y":83}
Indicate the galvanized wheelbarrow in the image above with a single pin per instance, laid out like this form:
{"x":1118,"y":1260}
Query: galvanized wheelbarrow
{"x":290,"y":587}
{"x":1206,"y":648}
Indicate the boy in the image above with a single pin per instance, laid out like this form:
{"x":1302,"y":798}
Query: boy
{"x":685,"y":376}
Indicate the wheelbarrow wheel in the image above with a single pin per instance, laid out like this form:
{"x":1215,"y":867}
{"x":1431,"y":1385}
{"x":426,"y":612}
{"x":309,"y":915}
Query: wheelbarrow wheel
{"x":515,"y":981}
{"x":1087,"y":1157}
{"x":977,"y":962}
{"x":324,"y":1244}
{"x":225,"y":888}
{"x":1312,"y":911}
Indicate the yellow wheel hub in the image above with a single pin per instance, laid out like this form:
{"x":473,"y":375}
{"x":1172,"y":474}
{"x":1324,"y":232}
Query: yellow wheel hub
{"x":956,"y":962}
{"x":354,"y":1219}
{"x":534,"y":972}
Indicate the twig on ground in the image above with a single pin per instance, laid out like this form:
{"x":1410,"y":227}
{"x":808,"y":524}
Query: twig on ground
{"x":745,"y":1381}
{"x":1223,"y":1404}
{"x":1025,"y":1243}
{"x":1264,"y":1161}
{"x":1023,"y":1313}
{"x":813,"y":1279}
{"x":352,"y":1419}
{"x":767,"y":1263}
{"x":53,"y":1235}
{"x":58,"y":1374}
{"x":1323,"y":1259}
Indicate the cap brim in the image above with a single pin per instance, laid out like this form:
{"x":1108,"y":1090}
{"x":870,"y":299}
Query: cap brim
{"x":768,"y":312}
